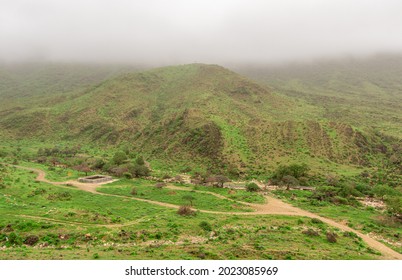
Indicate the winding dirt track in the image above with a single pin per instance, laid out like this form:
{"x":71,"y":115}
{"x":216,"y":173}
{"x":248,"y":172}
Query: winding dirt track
{"x":272,"y":207}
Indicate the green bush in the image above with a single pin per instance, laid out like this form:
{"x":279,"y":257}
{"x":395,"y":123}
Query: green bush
{"x":51,"y":239}
{"x":127,"y":175}
{"x":134,"y":191}
{"x":340,"y":200}
{"x":189,"y":198}
{"x":205,"y":226}
{"x":140,"y":171}
{"x":252,"y":187}
{"x":316,"y":221}
{"x":14,"y":239}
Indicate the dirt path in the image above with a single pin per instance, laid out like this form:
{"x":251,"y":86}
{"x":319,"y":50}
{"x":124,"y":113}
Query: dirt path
{"x":273,"y":206}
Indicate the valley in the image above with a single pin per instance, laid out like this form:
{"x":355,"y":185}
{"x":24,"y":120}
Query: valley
{"x":332,"y":128}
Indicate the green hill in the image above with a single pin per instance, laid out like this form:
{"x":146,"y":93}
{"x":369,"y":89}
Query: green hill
{"x":366,"y":93}
{"x":202,"y":116}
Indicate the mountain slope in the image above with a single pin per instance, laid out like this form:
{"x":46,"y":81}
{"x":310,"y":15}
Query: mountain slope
{"x":365,"y":93}
{"x":202,"y":116}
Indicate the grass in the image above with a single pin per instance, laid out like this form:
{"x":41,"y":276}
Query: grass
{"x":365,"y":219}
{"x":146,"y":231}
{"x":336,"y":121}
{"x":147,"y":190}
{"x":239,"y":195}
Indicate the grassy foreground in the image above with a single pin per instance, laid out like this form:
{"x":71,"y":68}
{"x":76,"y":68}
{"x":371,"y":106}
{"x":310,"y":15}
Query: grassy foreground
{"x":43,"y":221}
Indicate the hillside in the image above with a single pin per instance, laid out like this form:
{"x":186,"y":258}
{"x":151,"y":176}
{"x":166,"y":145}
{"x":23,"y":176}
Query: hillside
{"x":203,"y":116}
{"x":365,"y":92}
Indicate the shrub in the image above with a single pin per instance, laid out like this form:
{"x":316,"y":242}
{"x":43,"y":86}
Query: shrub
{"x":316,"y":221}
{"x":331,"y":237}
{"x":205,"y":226}
{"x":51,"y":239}
{"x":119,"y":157}
{"x":63,"y":196}
{"x":185,"y":210}
{"x":339,"y":200}
{"x":140,"y":171}
{"x":3,"y":237}
{"x":186,"y":170}
{"x":160,"y":185}
{"x":37,"y":191}
{"x":134,"y":191}
{"x":127,"y":175}
{"x":252,"y":187}
{"x":311,"y":232}
{"x":31,"y":240}
{"x":351,"y":234}
{"x":14,"y":239}
{"x":394,"y":205}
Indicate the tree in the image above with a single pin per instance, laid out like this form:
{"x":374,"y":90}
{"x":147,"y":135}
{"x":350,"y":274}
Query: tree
{"x":119,"y":157}
{"x":83,"y":167}
{"x":288,"y":181}
{"x":295,"y":170}
{"x":219,"y":180}
{"x":140,"y":171}
{"x":289,"y":175}
{"x":140,"y":160}
{"x":118,"y":170}
{"x":189,"y":198}
{"x":394,"y":205}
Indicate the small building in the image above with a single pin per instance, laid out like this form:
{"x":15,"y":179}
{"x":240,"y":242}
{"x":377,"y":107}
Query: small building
{"x":95,"y":179}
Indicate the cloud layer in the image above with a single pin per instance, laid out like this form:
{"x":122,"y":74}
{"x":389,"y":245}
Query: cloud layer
{"x":185,"y":31}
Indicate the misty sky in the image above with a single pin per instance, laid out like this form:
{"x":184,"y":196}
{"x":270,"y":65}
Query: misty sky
{"x":185,"y":31}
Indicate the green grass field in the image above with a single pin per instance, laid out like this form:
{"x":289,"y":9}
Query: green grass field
{"x":363,"y":218}
{"x":72,"y":224}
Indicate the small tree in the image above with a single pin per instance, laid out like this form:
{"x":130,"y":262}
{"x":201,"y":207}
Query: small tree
{"x":119,"y":157}
{"x":189,"y":198}
{"x":288,"y":181}
{"x":394,"y":205}
{"x":140,"y":171}
{"x":296,"y":171}
{"x":83,"y":167}
{"x":140,"y":160}
{"x":220,"y":179}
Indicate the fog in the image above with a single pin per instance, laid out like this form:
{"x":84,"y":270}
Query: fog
{"x":160,"y":32}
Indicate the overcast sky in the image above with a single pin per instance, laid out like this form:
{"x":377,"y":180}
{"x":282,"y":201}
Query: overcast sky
{"x":185,"y":31}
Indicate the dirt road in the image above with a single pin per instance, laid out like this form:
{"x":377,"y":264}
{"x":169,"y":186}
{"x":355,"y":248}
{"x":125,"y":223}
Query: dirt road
{"x":273,"y":206}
